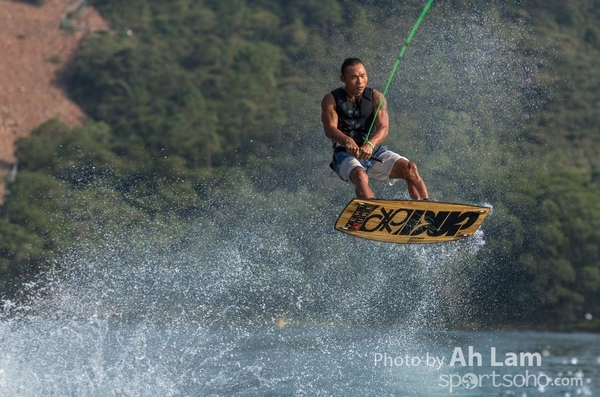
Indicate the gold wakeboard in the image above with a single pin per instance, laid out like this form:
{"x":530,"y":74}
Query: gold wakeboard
{"x":410,"y":221}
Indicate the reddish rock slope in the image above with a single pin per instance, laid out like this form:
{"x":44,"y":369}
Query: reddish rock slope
{"x":32,"y":48}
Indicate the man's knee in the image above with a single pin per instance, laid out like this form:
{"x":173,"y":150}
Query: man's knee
{"x":404,"y":169}
{"x":412,"y":171}
{"x":359,"y":175}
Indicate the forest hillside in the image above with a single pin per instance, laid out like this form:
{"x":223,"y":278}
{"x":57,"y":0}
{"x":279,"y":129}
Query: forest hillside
{"x":194,"y":106}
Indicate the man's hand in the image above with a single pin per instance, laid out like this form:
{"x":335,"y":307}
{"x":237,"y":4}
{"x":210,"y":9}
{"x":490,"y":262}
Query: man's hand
{"x":363,"y":152}
{"x":352,"y":148}
{"x":366,"y":151}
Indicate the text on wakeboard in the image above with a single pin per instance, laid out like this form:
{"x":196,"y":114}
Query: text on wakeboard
{"x":410,"y":222}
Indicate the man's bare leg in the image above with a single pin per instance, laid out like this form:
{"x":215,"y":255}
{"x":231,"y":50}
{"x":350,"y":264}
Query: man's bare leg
{"x":408,"y":171}
{"x":360,"y":179}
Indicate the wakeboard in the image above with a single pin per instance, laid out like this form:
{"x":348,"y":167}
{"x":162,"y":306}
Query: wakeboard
{"x":410,"y":221}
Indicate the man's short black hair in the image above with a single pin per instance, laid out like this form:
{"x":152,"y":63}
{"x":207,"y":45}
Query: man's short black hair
{"x":350,"y":62}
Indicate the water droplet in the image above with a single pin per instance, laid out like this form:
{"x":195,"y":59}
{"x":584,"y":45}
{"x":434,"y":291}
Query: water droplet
{"x":574,"y":361}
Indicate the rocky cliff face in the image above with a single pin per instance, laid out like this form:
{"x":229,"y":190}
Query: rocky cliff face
{"x":34,"y":45}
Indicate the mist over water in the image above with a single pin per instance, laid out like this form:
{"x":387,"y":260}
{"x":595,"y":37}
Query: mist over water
{"x":206,"y":312}
{"x":154,"y":310}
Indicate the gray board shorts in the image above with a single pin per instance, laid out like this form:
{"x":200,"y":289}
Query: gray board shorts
{"x":343,"y":163}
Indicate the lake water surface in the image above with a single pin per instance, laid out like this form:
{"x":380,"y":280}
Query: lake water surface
{"x":138,"y":316}
{"x":107,"y":358}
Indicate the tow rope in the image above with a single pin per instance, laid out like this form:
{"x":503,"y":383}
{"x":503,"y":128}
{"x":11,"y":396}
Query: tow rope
{"x":397,"y":63}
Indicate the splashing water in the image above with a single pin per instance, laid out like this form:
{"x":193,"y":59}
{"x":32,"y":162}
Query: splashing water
{"x":151,"y":313}
{"x":193,"y":313}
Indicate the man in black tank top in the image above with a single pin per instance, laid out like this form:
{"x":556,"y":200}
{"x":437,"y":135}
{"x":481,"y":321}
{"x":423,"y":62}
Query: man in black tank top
{"x":347,"y":114}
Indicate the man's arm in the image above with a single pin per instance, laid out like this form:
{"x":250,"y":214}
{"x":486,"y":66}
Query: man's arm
{"x":382,"y":122}
{"x":329,"y":118}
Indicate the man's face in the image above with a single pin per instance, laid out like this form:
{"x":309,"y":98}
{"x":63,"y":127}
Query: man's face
{"x":355,"y":79}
